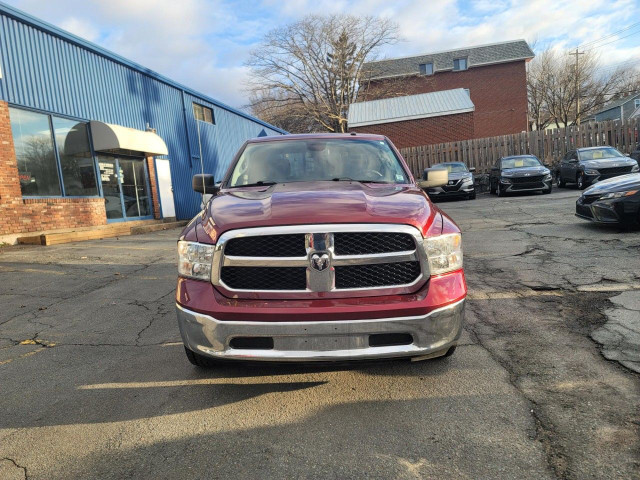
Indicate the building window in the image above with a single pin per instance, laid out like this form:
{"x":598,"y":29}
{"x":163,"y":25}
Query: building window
{"x":426,"y":68}
{"x":460,"y":64}
{"x":204,"y":114}
{"x":76,"y":160}
{"x":40,"y":165}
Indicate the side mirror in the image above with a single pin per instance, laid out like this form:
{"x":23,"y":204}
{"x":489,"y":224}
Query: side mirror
{"x":472,"y":169}
{"x":436,"y":177}
{"x":204,"y":183}
{"x":628,"y":154}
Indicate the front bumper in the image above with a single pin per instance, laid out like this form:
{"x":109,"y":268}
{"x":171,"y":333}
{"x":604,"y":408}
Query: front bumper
{"x":612,"y":211}
{"x":430,"y":334}
{"x":527,"y":187}
{"x":462,"y":190}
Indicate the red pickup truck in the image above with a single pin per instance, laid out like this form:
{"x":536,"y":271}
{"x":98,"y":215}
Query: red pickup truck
{"x":319,"y":248}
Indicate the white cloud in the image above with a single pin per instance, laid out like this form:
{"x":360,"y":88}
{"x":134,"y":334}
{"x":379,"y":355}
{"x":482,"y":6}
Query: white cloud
{"x":204,"y":43}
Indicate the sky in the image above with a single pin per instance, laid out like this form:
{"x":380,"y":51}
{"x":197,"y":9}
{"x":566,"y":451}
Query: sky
{"x":204,"y":43}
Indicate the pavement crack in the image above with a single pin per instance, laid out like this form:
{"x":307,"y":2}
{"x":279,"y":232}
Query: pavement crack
{"x":17,"y":465}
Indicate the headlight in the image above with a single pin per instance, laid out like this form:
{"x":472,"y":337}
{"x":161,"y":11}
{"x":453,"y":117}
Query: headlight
{"x":547,"y":177}
{"x":635,"y":168}
{"x":505,"y":180}
{"x":444,"y":253}
{"x":628,"y":193}
{"x":591,"y":172}
{"x":467,"y":181}
{"x":194,"y":260}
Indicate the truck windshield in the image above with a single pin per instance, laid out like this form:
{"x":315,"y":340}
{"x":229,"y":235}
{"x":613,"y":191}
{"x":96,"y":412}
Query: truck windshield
{"x":308,"y":160}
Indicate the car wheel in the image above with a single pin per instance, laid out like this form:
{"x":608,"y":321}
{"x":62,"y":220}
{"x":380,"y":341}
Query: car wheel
{"x":492,"y":190}
{"x":559,"y":181}
{"x":199,"y":360}
{"x":581,"y":182}
{"x":501,"y":192}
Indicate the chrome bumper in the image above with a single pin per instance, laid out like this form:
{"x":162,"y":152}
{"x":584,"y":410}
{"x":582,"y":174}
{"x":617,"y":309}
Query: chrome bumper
{"x":432,"y":334}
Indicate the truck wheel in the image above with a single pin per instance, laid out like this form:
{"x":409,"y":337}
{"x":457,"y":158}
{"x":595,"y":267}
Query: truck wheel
{"x":199,"y":360}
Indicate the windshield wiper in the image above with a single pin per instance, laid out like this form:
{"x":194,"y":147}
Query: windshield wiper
{"x":257,"y":184}
{"x":347,"y":179}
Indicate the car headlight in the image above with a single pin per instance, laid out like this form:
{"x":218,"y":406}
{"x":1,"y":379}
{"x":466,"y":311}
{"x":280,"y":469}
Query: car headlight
{"x":505,"y":180}
{"x":467,"y":181}
{"x":547,"y":177}
{"x":444,"y":253}
{"x":628,"y":193}
{"x":591,"y":172}
{"x":194,"y":260}
{"x":635,"y":168}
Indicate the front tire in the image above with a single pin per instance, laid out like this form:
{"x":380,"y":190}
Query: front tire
{"x":501,"y":193}
{"x":492,"y":190}
{"x":559,"y":182}
{"x":198,"y":360}
{"x":581,"y":181}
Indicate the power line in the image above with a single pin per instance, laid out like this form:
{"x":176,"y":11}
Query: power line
{"x":612,"y":41}
{"x":609,"y":35}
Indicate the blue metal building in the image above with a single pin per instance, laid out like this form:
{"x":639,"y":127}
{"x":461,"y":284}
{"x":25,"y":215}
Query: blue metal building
{"x":46,"y":70}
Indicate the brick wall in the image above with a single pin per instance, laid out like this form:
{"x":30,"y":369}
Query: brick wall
{"x":24,"y":215}
{"x":499,"y":93}
{"x":424,"y":131}
{"x":151,"y":167}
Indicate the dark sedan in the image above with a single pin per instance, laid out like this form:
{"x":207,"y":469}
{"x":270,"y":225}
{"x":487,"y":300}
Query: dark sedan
{"x":519,"y":173}
{"x":613,"y":201}
{"x":460,"y":184}
{"x":586,"y":166}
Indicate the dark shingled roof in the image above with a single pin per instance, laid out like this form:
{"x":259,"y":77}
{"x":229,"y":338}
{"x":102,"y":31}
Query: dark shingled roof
{"x":442,"y":61}
{"x":617,"y":103}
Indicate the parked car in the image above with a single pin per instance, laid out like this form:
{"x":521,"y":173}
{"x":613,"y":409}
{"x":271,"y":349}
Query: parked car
{"x":519,"y":173}
{"x":460,"y":184}
{"x":635,"y":154}
{"x":319,"y":247}
{"x":586,"y":166}
{"x":612,"y":201}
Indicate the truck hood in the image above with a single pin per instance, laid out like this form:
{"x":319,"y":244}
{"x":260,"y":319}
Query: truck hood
{"x":319,"y":202}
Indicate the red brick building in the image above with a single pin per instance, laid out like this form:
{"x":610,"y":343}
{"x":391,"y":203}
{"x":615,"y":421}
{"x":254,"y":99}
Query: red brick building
{"x":494,"y":75}
{"x":414,"y":120}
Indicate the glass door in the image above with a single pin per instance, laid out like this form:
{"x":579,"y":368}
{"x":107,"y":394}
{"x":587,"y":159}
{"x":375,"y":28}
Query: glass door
{"x":110,"y":177}
{"x":124,"y":185}
{"x":134,"y":188}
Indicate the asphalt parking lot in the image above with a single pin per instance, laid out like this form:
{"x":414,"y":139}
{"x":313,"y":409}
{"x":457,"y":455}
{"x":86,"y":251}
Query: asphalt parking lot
{"x":94,"y":382}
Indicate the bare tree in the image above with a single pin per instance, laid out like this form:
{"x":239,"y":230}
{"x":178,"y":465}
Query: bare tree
{"x":307,"y":74}
{"x":563,"y":91}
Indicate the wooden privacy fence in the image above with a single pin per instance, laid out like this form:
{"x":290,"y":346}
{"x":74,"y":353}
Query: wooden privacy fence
{"x":548,"y":145}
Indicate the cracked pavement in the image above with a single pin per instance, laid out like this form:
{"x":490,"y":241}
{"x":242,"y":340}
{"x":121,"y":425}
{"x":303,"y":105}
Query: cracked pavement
{"x":95,"y":383}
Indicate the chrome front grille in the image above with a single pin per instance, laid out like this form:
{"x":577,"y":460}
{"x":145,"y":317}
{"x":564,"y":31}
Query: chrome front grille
{"x":319,"y":261}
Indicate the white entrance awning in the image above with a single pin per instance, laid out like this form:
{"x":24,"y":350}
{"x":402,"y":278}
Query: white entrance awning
{"x":112,"y":138}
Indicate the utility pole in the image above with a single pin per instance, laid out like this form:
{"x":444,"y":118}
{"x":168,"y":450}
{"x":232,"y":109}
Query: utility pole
{"x":577,"y":53}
